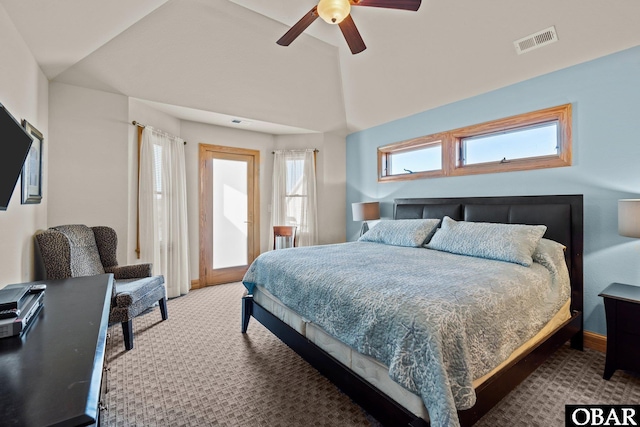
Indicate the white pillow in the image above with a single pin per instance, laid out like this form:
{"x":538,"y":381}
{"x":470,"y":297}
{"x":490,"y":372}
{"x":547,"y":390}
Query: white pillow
{"x":504,"y":242}
{"x":401,"y":232}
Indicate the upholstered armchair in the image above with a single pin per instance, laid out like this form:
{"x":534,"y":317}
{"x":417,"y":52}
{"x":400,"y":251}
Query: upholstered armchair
{"x":77,"y":250}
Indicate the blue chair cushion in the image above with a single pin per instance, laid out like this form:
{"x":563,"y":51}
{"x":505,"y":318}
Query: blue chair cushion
{"x":134,"y":296}
{"x":130,"y":291}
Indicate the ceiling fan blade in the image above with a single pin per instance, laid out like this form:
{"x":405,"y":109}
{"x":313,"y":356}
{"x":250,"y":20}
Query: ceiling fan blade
{"x":352,"y":35}
{"x":298,"y":28}
{"x":389,"y":4}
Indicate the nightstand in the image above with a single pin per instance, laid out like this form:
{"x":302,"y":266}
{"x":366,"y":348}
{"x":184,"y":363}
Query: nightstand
{"x":622,"y":307}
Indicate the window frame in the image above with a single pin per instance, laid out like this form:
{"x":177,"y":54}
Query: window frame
{"x":386,"y":151}
{"x":302,"y":226}
{"x":290,"y":197}
{"x":452,"y":163}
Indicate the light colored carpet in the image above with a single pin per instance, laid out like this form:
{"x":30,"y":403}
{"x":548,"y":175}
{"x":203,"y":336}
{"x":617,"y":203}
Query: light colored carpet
{"x":197,"y":369}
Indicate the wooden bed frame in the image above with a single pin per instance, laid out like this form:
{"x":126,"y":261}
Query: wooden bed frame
{"x":563,"y":216}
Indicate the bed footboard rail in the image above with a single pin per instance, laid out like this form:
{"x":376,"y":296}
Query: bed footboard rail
{"x":495,"y":388}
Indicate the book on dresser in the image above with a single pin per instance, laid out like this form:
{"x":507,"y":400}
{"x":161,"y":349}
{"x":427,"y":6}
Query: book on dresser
{"x":28,"y":308}
{"x":12,"y":297}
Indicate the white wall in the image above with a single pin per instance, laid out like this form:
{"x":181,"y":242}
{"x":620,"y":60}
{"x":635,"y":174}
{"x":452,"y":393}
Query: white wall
{"x":88,"y":159}
{"x":24,"y":92}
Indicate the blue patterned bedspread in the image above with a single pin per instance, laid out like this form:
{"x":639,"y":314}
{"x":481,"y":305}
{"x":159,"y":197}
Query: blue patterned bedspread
{"x":437,"y":320}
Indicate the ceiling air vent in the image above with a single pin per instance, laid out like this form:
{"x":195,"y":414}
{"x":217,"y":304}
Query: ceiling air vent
{"x":536,"y":40}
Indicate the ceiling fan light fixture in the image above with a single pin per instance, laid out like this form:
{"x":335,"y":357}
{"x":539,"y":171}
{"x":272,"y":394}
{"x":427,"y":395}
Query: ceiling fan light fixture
{"x":334,"y":11}
{"x":337,"y":12}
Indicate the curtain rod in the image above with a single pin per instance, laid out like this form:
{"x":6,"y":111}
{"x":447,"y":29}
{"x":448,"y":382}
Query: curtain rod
{"x":142,"y":126}
{"x":315,"y":150}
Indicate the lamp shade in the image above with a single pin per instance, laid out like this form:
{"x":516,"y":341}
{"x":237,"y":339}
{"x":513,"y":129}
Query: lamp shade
{"x":365,"y":211}
{"x":334,"y":11}
{"x":629,"y":217}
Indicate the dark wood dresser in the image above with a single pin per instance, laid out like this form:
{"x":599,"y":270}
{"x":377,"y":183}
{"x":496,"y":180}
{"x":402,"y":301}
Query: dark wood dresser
{"x":622,"y":307}
{"x":52,"y":374}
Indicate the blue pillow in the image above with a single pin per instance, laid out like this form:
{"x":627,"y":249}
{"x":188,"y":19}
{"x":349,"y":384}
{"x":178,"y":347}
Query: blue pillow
{"x":550,"y":254}
{"x":401,"y":232}
{"x":504,"y":242}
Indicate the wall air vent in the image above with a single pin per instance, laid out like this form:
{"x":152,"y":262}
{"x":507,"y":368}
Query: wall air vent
{"x":536,"y":40}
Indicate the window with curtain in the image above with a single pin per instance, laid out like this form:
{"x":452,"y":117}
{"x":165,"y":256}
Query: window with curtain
{"x":294,"y":194}
{"x":163,"y":208}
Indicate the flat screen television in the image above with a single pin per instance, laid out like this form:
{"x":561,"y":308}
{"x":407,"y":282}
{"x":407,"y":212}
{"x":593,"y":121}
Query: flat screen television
{"x":15,"y":143}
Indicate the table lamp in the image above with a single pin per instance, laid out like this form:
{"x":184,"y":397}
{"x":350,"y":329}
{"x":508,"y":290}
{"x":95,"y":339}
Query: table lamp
{"x":365,"y":211}
{"x":629,"y":217}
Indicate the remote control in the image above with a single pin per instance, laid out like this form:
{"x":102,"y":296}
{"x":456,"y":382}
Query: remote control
{"x":34,"y":289}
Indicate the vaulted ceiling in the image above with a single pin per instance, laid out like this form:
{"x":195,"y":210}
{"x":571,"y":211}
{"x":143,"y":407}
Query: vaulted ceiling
{"x":220,"y":56}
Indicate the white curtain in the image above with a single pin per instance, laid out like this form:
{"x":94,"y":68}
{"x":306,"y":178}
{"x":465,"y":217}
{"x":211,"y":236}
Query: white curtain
{"x":294,"y":194}
{"x":163,"y":209}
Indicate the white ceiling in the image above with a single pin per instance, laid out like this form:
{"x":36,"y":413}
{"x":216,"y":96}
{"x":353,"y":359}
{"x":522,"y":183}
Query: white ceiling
{"x":220,"y":57}
{"x":61,"y":33}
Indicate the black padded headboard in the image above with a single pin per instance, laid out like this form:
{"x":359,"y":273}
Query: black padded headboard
{"x":561,"y":214}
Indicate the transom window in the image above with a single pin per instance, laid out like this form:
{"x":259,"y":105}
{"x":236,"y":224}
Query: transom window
{"x":540,"y":139}
{"x":532,"y":141}
{"x":417,"y":158}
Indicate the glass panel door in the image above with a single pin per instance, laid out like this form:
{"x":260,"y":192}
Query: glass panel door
{"x":229,"y":203}
{"x":230,"y":216}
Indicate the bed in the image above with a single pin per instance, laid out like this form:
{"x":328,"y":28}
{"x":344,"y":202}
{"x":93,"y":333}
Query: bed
{"x":359,"y":368}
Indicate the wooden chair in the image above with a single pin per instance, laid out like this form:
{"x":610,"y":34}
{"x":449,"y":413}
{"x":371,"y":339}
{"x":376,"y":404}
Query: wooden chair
{"x":285,"y":231}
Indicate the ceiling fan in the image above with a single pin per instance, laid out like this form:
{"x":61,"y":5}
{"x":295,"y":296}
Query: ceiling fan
{"x":338,"y":12}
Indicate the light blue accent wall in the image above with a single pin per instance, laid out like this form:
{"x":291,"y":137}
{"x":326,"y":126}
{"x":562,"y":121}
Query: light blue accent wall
{"x":605,"y":96}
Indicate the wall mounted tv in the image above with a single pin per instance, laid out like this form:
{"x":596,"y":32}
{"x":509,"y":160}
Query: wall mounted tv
{"x":15,"y":143}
